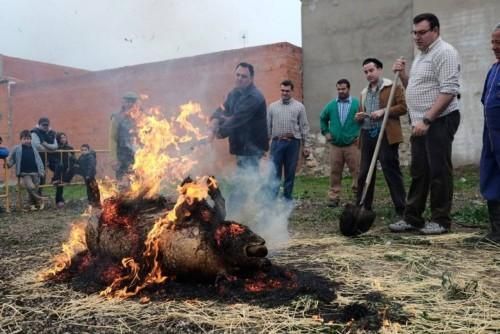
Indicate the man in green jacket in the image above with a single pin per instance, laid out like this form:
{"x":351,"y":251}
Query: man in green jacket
{"x":341,"y":131}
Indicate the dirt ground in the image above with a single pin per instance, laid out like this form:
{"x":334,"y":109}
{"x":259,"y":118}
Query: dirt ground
{"x":405,"y":282}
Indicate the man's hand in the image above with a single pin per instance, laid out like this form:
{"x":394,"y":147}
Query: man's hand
{"x":400,"y":66}
{"x":420,"y":129}
{"x":377,"y":114}
{"x":359,"y":116}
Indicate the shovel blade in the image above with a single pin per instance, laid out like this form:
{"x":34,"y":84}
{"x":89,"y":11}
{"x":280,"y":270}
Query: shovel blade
{"x":355,"y":220}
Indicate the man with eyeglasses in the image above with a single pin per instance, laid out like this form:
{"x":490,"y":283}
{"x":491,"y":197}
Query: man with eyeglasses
{"x":44,"y":140}
{"x":432,"y":87}
{"x":287,"y":125}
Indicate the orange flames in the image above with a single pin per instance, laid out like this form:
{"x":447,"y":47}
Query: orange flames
{"x":75,"y":245}
{"x":160,"y":156}
{"x":159,"y":159}
{"x":134,"y":283}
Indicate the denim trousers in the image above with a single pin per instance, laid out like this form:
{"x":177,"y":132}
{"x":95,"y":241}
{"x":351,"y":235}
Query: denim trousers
{"x":285,"y":155}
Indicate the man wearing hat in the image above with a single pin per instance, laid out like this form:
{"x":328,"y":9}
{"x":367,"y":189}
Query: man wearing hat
{"x":122,"y":140}
{"x":43,"y":138}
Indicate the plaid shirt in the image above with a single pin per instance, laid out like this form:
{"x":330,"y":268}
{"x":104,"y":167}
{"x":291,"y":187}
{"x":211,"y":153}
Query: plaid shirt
{"x":344,"y":106}
{"x":284,"y":119}
{"x":434,"y":71}
{"x":372,"y":103}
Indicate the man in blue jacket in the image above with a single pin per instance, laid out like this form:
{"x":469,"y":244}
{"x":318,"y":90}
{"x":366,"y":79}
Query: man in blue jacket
{"x":490,"y":156}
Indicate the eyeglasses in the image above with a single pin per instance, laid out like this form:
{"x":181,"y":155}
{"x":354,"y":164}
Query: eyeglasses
{"x":285,"y":90}
{"x":420,"y":32}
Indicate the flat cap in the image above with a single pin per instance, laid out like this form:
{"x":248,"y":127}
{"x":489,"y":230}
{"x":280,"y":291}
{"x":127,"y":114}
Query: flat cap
{"x":130,"y":96}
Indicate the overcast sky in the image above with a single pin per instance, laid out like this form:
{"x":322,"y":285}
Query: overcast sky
{"x":101,"y":34}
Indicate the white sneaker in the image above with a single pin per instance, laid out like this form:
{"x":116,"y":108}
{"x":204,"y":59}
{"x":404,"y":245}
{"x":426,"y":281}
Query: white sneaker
{"x":401,"y":226}
{"x":432,"y":228}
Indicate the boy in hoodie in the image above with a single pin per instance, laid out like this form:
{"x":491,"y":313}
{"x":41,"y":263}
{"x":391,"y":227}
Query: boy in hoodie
{"x":86,"y":167}
{"x":29,"y":168}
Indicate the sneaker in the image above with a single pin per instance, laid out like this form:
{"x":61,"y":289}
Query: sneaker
{"x":432,"y":228}
{"x":401,"y":226}
{"x":41,"y":206}
{"x":33,"y":208}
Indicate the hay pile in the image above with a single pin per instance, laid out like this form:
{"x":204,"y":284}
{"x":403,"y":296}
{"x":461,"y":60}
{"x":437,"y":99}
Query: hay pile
{"x":419,"y":284}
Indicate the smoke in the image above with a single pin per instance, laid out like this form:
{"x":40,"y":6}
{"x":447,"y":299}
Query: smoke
{"x":251,"y":200}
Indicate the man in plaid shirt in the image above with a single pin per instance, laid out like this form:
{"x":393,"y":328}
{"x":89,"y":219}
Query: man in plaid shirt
{"x":432,"y":87}
{"x":287,"y":126}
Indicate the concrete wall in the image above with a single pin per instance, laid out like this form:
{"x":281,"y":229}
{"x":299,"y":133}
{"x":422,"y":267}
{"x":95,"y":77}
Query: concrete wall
{"x":339,"y":34}
{"x":82,"y":105}
{"x":467,"y":25}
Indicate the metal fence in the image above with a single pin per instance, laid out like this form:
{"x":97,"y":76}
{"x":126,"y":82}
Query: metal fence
{"x":76,"y":179}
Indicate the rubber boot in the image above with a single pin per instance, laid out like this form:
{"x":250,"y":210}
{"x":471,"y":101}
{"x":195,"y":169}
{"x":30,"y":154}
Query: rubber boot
{"x":494,"y":213}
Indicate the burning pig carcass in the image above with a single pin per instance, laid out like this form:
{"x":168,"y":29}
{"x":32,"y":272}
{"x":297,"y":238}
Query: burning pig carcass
{"x":133,"y":243}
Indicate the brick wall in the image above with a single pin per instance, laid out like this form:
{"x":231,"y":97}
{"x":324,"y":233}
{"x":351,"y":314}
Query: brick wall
{"x":81,"y":105}
{"x":24,"y":70}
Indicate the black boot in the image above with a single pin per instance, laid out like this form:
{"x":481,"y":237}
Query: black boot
{"x":494,"y":213}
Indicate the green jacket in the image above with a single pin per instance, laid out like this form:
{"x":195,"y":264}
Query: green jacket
{"x":342,"y":135}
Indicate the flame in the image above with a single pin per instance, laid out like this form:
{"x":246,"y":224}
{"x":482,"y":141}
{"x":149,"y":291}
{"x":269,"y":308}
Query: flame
{"x":132,"y":283}
{"x":160,"y":155}
{"x":75,"y":245}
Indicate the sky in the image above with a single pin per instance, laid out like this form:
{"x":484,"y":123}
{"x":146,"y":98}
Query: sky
{"x":103,"y":34}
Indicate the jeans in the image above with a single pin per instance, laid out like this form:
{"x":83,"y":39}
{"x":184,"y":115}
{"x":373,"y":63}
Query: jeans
{"x":285,"y":155}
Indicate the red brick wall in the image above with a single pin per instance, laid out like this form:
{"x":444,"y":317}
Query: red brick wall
{"x":27,"y":70}
{"x":81,"y":105}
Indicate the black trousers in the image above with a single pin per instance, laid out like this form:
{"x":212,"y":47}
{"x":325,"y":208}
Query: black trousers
{"x":93,"y":193}
{"x":389,"y":160}
{"x":432,"y":172}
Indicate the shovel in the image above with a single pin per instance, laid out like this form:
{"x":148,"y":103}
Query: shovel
{"x":355,"y":219}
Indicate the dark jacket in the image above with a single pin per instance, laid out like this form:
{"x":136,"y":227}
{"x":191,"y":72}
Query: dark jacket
{"x":244,"y":121}
{"x":66,"y":159}
{"x":87,"y":165}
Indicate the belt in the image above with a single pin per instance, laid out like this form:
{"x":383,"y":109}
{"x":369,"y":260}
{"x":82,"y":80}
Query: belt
{"x":285,"y":137}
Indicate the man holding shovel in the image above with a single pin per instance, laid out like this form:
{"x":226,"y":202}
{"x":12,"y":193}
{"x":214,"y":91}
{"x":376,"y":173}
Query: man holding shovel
{"x":431,"y":95}
{"x":374,"y":99}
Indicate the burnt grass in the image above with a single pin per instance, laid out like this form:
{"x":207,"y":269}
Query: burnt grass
{"x":28,"y":240}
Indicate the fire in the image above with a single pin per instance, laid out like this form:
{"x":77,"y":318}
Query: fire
{"x":132,"y":283}
{"x":160,"y":156}
{"x":75,"y":245}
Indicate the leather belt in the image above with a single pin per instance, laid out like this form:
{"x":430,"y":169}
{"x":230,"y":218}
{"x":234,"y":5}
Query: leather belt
{"x":284,"y":137}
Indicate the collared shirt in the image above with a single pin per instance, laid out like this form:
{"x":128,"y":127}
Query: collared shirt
{"x":290,"y":118}
{"x":344,"y":106}
{"x":371,"y":104}
{"x":434,"y":71}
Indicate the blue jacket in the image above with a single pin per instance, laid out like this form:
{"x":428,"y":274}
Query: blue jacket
{"x":490,"y":155}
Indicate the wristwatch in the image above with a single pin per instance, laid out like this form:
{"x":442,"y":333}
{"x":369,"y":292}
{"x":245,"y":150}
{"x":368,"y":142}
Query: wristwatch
{"x":426,"y":121}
